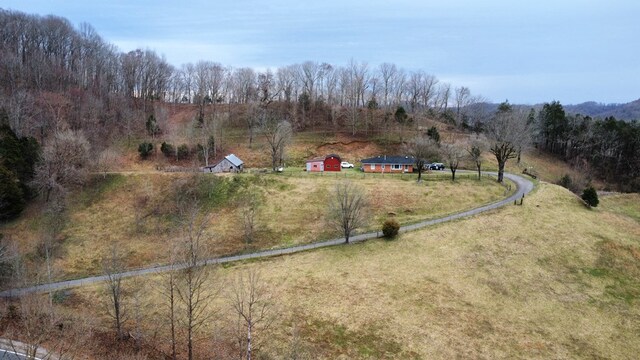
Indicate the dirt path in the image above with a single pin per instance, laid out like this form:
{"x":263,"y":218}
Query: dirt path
{"x":524,"y":186}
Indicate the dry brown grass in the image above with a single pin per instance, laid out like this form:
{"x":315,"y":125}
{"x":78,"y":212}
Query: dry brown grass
{"x":135,"y":211}
{"x":550,"y":279}
{"x":508,"y":284}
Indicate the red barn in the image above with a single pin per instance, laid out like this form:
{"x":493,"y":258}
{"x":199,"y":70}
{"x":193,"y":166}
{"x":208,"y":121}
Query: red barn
{"x":332,"y":163}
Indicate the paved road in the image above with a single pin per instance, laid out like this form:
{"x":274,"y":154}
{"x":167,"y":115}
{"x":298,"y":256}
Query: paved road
{"x":524,"y":186}
{"x":11,"y":355}
{"x":16,"y":350}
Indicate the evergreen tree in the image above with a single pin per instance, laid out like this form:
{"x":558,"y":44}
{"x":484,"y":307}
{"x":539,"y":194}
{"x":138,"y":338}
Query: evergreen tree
{"x":18,"y":157}
{"x":145,"y":149}
{"x":590,"y":196}
{"x":12,"y":200}
{"x":152,"y":126}
{"x":434,"y":134}
{"x":401,"y":115}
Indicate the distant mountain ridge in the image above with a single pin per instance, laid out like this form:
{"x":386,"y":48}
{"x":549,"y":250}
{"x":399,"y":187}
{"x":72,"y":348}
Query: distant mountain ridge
{"x":629,"y":111}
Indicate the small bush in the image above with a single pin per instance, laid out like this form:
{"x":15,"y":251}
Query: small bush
{"x":183,"y":151}
{"x":590,"y":196}
{"x":434,"y":134}
{"x":145,"y":149}
{"x":566,"y":182}
{"x":167,"y":149}
{"x":390,"y":228}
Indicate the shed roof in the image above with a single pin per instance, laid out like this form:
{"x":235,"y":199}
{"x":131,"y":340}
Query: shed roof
{"x":384,"y":159}
{"x":234,"y":160}
{"x":316,"y":159}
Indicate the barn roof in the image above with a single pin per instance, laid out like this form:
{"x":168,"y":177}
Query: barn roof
{"x":333,"y":155}
{"x":234,"y":160}
{"x":384,"y":159}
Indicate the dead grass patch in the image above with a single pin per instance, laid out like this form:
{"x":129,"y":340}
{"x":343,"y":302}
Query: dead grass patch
{"x":506,"y":284}
{"x":136,"y":212}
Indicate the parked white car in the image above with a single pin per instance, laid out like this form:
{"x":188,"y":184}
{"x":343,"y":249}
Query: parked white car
{"x":346,"y":164}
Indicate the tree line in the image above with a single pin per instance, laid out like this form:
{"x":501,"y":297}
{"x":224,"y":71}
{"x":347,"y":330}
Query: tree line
{"x":607,"y":147}
{"x":52,"y":70}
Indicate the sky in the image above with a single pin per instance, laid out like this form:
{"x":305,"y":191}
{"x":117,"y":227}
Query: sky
{"x":527,"y":52}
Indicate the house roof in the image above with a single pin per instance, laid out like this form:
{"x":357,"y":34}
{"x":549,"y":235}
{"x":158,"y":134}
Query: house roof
{"x":234,"y":160}
{"x":384,"y":159}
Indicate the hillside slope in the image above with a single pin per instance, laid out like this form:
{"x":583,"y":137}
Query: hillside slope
{"x":550,"y":279}
{"x":628,"y":111}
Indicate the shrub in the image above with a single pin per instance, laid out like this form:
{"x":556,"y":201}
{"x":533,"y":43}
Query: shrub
{"x":566,"y":182}
{"x":590,"y":196}
{"x":434,"y":134}
{"x":167,"y":149}
{"x":145,"y":149}
{"x":152,"y":126}
{"x":183,"y":151}
{"x":390,"y":228}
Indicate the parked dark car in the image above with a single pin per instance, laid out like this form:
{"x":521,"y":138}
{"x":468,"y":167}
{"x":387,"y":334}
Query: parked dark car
{"x":436,"y":166}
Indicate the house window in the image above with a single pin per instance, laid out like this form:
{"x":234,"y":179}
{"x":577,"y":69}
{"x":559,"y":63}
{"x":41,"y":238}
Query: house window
{"x":382,"y":166}
{"x":373,"y":166}
{"x":396,"y":167}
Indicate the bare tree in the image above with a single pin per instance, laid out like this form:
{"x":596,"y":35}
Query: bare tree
{"x":107,"y":161}
{"x":267,"y":90}
{"x":192,"y":289}
{"x":453,"y":153}
{"x":462,"y":98}
{"x":414,"y":89}
{"x":286,"y":83}
{"x":8,"y":255}
{"x":309,"y":73}
{"x":113,"y":267}
{"x":251,"y":300}
{"x":442,"y":101}
{"x":429,"y":84}
{"x":168,"y":290}
{"x":387,"y":73}
{"x":249,"y":203}
{"x":53,"y":221}
{"x":278,"y":135}
{"x":253,"y":118}
{"x":475,"y":148}
{"x":205,"y":132}
{"x":347,"y":208}
{"x":34,"y":326}
{"x":64,"y":164}
{"x":422,"y":149}
{"x":508,"y":132}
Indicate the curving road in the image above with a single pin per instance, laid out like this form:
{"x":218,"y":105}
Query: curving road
{"x":524,"y":186}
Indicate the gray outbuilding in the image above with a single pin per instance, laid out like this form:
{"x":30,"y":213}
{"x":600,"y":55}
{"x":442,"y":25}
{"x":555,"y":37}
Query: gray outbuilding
{"x":230,"y":163}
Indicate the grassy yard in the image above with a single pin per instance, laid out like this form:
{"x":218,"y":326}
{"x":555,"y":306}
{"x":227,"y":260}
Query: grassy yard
{"x":550,"y":279}
{"x":137,"y":213}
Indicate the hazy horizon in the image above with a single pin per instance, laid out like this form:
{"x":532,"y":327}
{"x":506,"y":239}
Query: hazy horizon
{"x":570,"y":51}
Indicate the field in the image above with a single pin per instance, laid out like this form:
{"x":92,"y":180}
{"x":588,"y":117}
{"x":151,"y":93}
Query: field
{"x":137,"y":212}
{"x":550,"y":279}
